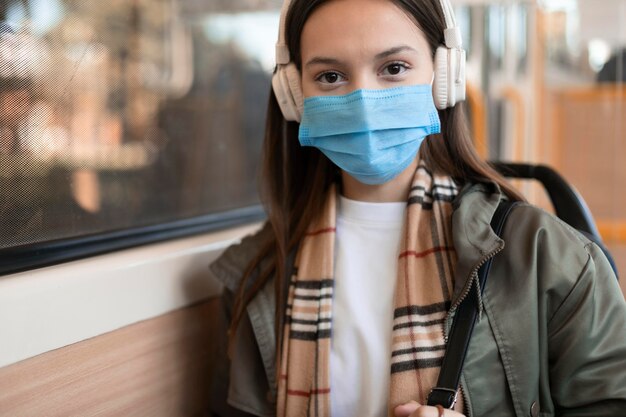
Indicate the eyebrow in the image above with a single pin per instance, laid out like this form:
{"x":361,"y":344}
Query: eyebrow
{"x":381,"y":55}
{"x":322,"y":60}
{"x":394,"y":50}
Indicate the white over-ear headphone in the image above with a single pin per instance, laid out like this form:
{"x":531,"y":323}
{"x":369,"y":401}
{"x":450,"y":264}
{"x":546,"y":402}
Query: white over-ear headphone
{"x":448,"y":85}
{"x":286,"y":80}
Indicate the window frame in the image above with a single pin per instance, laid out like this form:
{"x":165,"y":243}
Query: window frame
{"x":38,"y":255}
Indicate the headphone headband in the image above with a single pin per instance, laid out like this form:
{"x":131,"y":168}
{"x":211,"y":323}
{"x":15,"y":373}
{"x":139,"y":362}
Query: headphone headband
{"x":282,"y":50}
{"x":452,"y":33}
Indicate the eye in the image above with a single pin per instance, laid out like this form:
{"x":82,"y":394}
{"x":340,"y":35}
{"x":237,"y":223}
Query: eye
{"x":330,"y":77}
{"x":395,"y":68}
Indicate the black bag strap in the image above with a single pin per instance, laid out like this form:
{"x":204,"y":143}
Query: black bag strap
{"x":445,"y":393}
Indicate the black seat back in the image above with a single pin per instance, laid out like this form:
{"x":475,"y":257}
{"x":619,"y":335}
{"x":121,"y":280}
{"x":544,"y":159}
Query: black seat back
{"x":568,"y":205}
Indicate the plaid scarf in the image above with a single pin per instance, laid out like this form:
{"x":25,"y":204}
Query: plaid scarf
{"x":423,"y":292}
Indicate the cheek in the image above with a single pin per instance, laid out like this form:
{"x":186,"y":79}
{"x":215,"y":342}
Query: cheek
{"x":311,"y":87}
{"x":307,"y":85}
{"x":426,"y":69}
{"x":425,"y":74}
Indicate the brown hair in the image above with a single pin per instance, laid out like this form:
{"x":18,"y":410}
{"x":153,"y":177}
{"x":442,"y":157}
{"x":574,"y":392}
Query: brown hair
{"x":295,"y":179}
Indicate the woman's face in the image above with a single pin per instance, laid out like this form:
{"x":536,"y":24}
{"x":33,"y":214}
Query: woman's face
{"x":362,"y":44}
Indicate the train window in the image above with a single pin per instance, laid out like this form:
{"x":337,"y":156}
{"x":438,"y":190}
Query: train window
{"x":116,"y":115}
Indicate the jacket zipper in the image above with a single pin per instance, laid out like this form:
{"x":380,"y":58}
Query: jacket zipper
{"x":466,"y":290}
{"x":464,"y":293}
{"x":465,"y":401}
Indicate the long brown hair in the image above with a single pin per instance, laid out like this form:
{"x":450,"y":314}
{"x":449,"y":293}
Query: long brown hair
{"x":295,"y":179}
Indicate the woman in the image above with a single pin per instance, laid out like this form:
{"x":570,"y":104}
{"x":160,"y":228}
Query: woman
{"x":370,"y":246}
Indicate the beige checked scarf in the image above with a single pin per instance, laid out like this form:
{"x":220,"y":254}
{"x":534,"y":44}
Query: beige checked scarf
{"x":423,"y":291}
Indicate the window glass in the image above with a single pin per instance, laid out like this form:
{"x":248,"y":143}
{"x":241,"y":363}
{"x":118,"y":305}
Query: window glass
{"x":122,"y":113}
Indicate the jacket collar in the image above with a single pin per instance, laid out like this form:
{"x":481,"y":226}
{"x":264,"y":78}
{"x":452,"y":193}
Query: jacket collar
{"x":474,"y":239}
{"x":229,"y":270}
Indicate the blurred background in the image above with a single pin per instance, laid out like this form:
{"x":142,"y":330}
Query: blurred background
{"x":128,"y":113}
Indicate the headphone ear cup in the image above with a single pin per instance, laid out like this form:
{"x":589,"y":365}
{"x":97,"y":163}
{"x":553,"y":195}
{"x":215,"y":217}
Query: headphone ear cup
{"x":283,"y":96}
{"x":282,"y":83}
{"x":460,"y":83}
{"x":441,"y":83}
{"x":449,"y":84}
{"x":295,"y":88}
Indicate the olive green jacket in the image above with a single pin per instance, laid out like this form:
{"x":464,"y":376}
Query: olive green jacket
{"x":551,"y":340}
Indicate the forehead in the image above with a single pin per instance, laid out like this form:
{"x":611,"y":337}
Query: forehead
{"x":359,"y":25}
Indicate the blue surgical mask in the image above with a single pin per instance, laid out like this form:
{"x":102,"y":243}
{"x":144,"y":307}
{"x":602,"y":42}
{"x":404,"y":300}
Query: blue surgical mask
{"x":373,"y":135}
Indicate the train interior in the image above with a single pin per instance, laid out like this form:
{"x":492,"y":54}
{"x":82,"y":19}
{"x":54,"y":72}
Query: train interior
{"x":130,"y":135}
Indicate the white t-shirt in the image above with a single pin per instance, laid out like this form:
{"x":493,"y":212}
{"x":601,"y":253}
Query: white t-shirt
{"x":367,"y":246}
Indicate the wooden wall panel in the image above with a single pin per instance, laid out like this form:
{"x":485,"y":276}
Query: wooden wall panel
{"x":158,"y":367}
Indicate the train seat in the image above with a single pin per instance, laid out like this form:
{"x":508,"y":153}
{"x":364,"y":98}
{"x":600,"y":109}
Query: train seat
{"x":568,"y":204}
